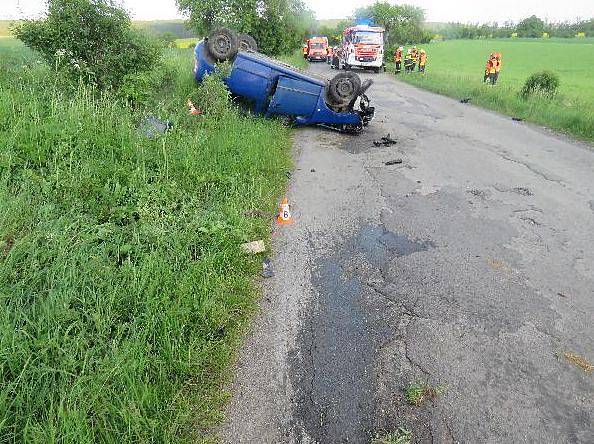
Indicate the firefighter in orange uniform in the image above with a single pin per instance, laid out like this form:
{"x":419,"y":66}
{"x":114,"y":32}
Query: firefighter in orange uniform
{"x":491,"y":70}
{"x":398,"y":59}
{"x":422,"y":61}
{"x":415,"y":57}
{"x":497,"y":67}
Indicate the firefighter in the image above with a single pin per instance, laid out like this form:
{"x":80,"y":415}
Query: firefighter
{"x":415,"y":57}
{"x":497,"y":67}
{"x":408,"y":61}
{"x":304,"y":50}
{"x":488,"y":67}
{"x":398,"y":59}
{"x":422,"y":61}
{"x":336,"y":54}
{"x":492,"y":69}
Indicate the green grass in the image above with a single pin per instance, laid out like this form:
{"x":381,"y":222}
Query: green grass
{"x":400,"y":436}
{"x":417,"y":393}
{"x":123,"y":290}
{"x":295,"y":59}
{"x":455,"y":68}
{"x":186,"y":43}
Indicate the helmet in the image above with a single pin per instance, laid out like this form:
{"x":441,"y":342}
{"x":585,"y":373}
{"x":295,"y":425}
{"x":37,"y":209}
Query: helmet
{"x":400,"y":48}
{"x":409,"y":51}
{"x":422,"y":51}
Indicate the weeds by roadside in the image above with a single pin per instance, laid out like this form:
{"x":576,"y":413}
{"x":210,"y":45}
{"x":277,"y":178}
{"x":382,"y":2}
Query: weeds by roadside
{"x":123,"y":290}
{"x":295,"y":59}
{"x":566,"y":114}
{"x":399,"y":436}
{"x":419,"y":392}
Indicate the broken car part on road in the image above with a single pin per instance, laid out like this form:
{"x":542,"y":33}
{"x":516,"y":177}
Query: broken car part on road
{"x":385,"y":141}
{"x":275,"y":88}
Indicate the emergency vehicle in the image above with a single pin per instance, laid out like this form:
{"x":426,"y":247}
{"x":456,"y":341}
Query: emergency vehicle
{"x":363,"y":47}
{"x":317,"y":49}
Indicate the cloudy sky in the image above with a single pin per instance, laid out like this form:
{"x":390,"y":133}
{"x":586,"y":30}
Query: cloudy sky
{"x":436,"y":10}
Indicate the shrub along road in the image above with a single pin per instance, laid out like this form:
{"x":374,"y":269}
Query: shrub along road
{"x":467,"y":267}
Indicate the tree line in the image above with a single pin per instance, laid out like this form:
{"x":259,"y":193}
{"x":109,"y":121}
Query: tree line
{"x":531,"y":27}
{"x":279,"y":26}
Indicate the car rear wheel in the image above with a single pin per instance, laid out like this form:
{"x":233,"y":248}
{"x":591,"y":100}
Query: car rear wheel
{"x":247,"y":43}
{"x":223,"y":44}
{"x":343,"y":88}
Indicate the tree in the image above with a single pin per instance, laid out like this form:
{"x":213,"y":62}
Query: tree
{"x":403,"y":23}
{"x":530,"y":27}
{"x":277,"y":25}
{"x":92,"y":40}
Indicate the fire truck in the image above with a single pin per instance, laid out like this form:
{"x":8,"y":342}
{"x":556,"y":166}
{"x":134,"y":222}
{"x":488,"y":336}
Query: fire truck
{"x":363,"y":47}
{"x":317,"y":49}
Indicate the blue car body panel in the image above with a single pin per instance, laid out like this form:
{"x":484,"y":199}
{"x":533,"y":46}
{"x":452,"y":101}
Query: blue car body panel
{"x":277,"y":89}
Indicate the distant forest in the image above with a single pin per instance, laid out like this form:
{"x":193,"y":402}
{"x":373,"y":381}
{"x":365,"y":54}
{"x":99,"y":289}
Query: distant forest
{"x":158,"y":28}
{"x":531,"y":27}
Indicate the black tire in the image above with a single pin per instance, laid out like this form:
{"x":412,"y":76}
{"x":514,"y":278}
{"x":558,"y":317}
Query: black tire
{"x":223,"y":44}
{"x":343,"y":88}
{"x":247,"y":43}
{"x":376,"y":70}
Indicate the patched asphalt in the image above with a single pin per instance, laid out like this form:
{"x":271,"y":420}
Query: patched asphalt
{"x":468,"y":267}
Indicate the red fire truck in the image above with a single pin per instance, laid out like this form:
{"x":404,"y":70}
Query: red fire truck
{"x":317,"y":49}
{"x":363,"y":46}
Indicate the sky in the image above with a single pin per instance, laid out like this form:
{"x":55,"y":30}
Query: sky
{"x":466,"y":11}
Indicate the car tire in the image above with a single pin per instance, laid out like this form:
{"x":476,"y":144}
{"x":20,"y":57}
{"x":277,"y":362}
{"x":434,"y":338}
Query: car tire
{"x":223,"y":44}
{"x":343,"y":88}
{"x":247,"y":43}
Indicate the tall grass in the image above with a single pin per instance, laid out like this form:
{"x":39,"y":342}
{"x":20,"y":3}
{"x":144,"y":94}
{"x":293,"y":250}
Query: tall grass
{"x":562,"y":113}
{"x":295,"y":59}
{"x":123,"y":291}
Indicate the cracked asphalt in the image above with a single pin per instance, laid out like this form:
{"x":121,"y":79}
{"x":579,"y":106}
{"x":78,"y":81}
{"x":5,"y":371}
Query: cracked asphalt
{"x":469,"y":267}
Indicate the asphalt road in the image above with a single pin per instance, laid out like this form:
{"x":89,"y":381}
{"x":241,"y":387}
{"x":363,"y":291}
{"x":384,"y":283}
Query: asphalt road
{"x":469,"y":267}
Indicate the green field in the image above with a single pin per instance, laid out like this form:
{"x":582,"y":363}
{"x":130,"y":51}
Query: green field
{"x":456,"y":68}
{"x":123,"y":288}
{"x":186,"y":43}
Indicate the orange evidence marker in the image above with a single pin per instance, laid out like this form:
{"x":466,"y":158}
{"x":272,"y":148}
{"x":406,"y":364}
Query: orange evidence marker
{"x":284,"y":213}
{"x":192,"y":109}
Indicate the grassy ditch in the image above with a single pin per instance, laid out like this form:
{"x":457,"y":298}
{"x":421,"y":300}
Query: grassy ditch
{"x":295,"y":59}
{"x":455,"y":68}
{"x":123,"y":291}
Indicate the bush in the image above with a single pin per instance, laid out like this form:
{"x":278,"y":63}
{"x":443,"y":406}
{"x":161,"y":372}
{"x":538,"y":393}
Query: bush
{"x":90,"y":40}
{"x":212,"y":96}
{"x":544,"y":83}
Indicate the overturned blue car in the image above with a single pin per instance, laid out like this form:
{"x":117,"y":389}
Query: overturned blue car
{"x":274,"y":88}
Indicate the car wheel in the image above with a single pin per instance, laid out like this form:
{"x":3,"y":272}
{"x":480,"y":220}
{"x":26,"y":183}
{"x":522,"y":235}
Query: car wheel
{"x":343,"y":88}
{"x":247,"y":43}
{"x":223,"y":44}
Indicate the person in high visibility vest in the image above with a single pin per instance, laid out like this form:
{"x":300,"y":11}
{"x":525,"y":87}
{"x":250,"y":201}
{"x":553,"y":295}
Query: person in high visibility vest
{"x":422,"y":61}
{"x":415,"y":57}
{"x":492,"y":69}
{"x":488,"y":67}
{"x":497,"y":67}
{"x":398,"y":59}
{"x":408,"y":61}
